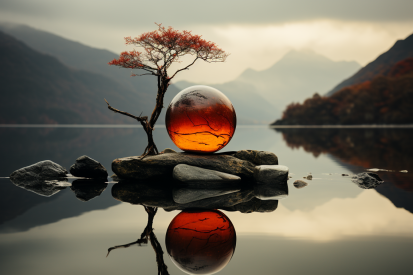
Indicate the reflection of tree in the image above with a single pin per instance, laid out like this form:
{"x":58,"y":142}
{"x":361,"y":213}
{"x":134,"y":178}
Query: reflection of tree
{"x":146,"y":235}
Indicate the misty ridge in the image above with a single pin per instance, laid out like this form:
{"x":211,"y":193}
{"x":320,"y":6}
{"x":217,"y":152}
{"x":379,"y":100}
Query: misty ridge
{"x":76,"y":78}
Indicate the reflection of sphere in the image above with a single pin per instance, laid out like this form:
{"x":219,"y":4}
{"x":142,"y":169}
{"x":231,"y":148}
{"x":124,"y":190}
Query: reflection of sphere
{"x":200,"y":242}
{"x":200,"y":119}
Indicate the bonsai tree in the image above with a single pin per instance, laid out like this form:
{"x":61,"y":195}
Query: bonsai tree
{"x":160,"y":49}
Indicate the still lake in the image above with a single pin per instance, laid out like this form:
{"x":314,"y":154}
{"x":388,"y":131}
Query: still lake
{"x":331,"y":226}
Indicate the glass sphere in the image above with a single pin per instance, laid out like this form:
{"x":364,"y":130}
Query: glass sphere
{"x":200,"y":242}
{"x":200,"y":119}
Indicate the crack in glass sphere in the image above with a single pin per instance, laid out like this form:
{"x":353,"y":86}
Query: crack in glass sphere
{"x":200,"y":242}
{"x":200,"y":119}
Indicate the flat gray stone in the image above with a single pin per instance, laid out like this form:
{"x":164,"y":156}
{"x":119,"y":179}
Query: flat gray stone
{"x":257,"y":157}
{"x":270,"y":173}
{"x":45,"y":169}
{"x":300,"y":184}
{"x":161,"y":166}
{"x":87,"y":167}
{"x":186,"y":195}
{"x":271,"y":191}
{"x":197,"y":177}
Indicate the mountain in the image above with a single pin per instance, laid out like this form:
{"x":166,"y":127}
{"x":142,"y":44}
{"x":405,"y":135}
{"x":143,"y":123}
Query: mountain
{"x":37,"y":88}
{"x":131,"y":94}
{"x":298,"y":74}
{"x":402,"y":49}
{"x":386,"y":99}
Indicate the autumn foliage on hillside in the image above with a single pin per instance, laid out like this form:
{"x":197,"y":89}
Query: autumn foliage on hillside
{"x":386,"y":99}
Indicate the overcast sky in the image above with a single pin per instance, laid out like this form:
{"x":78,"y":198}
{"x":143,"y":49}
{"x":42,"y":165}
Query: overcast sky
{"x":256,"y":33}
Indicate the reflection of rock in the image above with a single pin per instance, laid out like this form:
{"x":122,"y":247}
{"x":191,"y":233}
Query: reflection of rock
{"x":200,"y":242}
{"x":254,"y":205}
{"x":145,"y":193}
{"x":271,"y":191}
{"x":257,"y":157}
{"x":161,"y":166}
{"x":270,"y":173}
{"x":186,"y":195}
{"x":88,"y":168}
{"x":216,"y":202}
{"x":367,"y":180}
{"x":200,"y":177}
{"x":85,"y":190}
{"x":300,"y":184}
{"x":45,"y":169}
{"x":148,"y":194}
{"x":43,"y":187}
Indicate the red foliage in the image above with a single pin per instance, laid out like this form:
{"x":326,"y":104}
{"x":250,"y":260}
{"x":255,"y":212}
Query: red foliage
{"x":401,"y":68}
{"x":165,"y":46}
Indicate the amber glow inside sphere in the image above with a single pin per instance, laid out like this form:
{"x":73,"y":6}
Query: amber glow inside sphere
{"x":200,"y":119}
{"x":200,"y":242}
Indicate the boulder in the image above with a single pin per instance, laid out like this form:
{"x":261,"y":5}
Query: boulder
{"x":200,"y":177}
{"x":87,"y":189}
{"x":300,"y":184}
{"x":367,"y":180}
{"x":254,"y":205}
{"x":45,"y":169}
{"x":257,"y":157}
{"x":186,"y":195}
{"x":271,"y":173}
{"x":161,"y":166}
{"x":271,"y":191}
{"x":87,"y":167}
{"x":42,"y":187}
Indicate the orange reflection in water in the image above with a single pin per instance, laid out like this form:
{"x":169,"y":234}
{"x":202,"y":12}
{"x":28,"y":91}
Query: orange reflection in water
{"x":200,"y":119}
{"x":200,"y":242}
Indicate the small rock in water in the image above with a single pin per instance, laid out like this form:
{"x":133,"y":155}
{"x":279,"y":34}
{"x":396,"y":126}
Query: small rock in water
{"x":403,"y":171}
{"x":344,"y":175}
{"x":271,"y":173}
{"x":168,"y":151}
{"x":309,"y":177}
{"x":186,"y":195}
{"x":300,"y":184}
{"x":257,"y":157}
{"x":88,"y":168}
{"x":201,"y":177}
{"x":45,"y":169}
{"x":87,"y":189}
{"x":367,"y":180}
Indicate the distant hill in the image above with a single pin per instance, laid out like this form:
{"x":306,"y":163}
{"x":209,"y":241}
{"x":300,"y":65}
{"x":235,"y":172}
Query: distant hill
{"x":386,"y":99}
{"x":297,"y":75}
{"x":402,"y":49}
{"x":37,"y":88}
{"x":139,"y":91}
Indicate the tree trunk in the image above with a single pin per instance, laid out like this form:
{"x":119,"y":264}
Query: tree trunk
{"x":163,"y":83}
{"x":148,"y":126}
